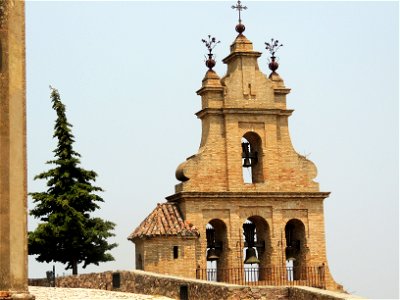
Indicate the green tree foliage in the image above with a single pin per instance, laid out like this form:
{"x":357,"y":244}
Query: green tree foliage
{"x":68,"y":233}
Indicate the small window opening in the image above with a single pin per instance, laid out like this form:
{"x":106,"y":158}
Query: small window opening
{"x":176,"y":253}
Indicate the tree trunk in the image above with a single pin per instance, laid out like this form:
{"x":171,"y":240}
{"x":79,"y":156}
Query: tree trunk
{"x":74,"y":267}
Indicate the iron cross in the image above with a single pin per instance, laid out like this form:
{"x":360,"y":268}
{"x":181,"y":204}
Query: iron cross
{"x":239,"y":8}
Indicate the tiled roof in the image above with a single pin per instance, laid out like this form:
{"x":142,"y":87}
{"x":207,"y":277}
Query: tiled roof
{"x":164,"y":220}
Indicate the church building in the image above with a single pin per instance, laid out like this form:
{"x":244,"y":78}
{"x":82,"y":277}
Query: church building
{"x":247,"y":209}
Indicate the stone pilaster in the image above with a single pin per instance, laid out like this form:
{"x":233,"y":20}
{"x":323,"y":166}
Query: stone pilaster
{"x":13,"y":190}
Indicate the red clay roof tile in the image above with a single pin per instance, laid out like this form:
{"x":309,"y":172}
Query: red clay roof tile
{"x":164,"y":220}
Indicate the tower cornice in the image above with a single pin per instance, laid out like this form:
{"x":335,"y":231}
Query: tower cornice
{"x":210,"y":89}
{"x":247,"y":195}
{"x":233,"y":55}
{"x":243,"y":111}
{"x":281,"y":91}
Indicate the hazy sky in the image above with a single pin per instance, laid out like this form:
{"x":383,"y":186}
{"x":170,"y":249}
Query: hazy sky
{"x":128,"y":72}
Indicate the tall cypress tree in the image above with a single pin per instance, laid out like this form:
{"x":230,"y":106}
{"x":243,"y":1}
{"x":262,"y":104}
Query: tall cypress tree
{"x":68,"y":233}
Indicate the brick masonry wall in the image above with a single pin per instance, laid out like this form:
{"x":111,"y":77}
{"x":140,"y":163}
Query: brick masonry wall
{"x":245,"y":103}
{"x":274,"y":211}
{"x":155,"y":284}
{"x":158,"y":256}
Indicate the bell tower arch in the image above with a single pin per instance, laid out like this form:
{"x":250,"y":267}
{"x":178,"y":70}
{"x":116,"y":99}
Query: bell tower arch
{"x":252,"y":156}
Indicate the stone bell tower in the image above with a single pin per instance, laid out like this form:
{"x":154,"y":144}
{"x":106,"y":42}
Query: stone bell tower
{"x":13,"y":210}
{"x":252,"y":206}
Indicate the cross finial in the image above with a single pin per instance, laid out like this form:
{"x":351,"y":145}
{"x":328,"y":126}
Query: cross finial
{"x":239,"y":7}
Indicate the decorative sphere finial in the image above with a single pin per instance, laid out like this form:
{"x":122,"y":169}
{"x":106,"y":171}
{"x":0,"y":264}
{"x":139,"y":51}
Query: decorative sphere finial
{"x":210,"y":44}
{"x":273,"y":65}
{"x":240,"y":28}
{"x":272,"y":47}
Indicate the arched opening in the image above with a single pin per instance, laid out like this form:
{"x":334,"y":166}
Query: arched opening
{"x":256,"y":249}
{"x":263,"y":245}
{"x":252,"y":158}
{"x":295,"y":251}
{"x":216,"y":255}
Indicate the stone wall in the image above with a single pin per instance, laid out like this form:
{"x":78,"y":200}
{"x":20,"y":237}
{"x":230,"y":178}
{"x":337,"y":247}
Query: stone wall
{"x":309,"y":293}
{"x":155,"y":284}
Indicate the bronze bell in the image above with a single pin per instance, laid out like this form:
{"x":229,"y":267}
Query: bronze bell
{"x":212,"y":255}
{"x":251,"y":257}
{"x":246,"y":163}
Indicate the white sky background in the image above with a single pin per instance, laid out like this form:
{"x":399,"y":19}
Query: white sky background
{"x":128,"y":72}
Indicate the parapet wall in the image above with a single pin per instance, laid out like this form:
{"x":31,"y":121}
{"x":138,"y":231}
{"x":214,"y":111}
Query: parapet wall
{"x":182,"y":288}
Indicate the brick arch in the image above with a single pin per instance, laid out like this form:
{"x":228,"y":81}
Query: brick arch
{"x":253,"y":137}
{"x":296,"y":245}
{"x":221,"y":235}
{"x":256,"y":148}
{"x":301,"y":217}
{"x":221,"y":230}
{"x":263,"y":234}
{"x":299,"y":229}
